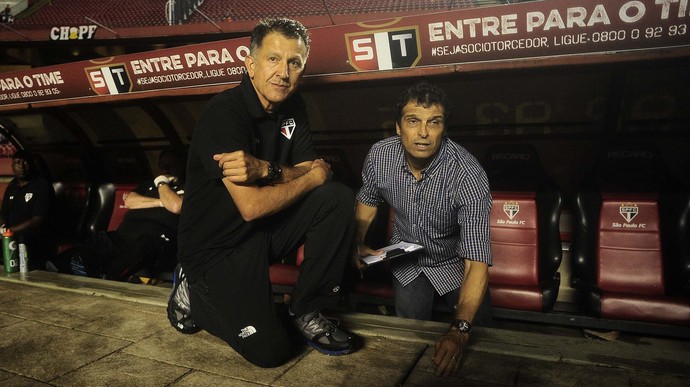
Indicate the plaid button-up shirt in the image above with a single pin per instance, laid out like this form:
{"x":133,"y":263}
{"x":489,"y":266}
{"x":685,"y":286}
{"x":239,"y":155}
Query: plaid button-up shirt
{"x":446,"y":211}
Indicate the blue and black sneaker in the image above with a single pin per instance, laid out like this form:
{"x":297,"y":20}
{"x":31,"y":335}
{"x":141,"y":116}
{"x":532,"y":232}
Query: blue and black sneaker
{"x":323,"y":335}
{"x":77,"y":266}
{"x":179,"y":308}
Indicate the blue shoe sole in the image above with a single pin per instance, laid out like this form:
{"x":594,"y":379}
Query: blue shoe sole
{"x":328,"y":351}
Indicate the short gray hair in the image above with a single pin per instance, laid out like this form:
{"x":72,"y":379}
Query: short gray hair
{"x":286,"y":27}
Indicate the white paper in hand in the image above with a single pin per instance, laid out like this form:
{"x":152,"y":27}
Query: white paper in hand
{"x":393,"y":251}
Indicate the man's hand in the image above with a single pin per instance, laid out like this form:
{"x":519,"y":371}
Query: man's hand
{"x":240,"y":167}
{"x":361,"y":252}
{"x":323,"y":168}
{"x":449,"y":350}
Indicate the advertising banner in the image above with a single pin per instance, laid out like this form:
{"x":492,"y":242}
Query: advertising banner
{"x":542,"y":29}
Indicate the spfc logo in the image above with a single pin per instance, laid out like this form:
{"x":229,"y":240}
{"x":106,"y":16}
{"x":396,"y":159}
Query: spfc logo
{"x":111,"y":79}
{"x":629,"y":211}
{"x":511,"y":209}
{"x":383,"y":49}
{"x":28,"y":197}
{"x":287,"y":127}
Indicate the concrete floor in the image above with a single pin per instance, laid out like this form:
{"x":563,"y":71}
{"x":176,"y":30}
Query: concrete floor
{"x":60,"y":330}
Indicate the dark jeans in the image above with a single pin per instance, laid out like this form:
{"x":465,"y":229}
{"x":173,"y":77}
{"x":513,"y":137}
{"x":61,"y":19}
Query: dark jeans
{"x":233,"y":299}
{"x":416,"y":300}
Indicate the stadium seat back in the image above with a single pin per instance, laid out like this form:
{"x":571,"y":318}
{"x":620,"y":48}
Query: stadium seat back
{"x":629,"y":239}
{"x":630,"y":248}
{"x":108,"y":208}
{"x":525,"y":234}
{"x":514,"y":239}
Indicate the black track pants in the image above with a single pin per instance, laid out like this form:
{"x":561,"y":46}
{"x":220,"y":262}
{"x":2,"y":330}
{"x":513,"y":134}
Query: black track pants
{"x":233,"y":299}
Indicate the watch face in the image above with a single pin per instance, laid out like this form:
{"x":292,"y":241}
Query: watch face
{"x":273,"y":172}
{"x":463,"y":326}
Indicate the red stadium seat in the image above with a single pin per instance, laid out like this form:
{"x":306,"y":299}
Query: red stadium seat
{"x":631,"y":255}
{"x":109,"y":207}
{"x":514,"y":280}
{"x":284,"y":275}
{"x":122,"y":14}
{"x":112,"y":14}
{"x":525,"y":236}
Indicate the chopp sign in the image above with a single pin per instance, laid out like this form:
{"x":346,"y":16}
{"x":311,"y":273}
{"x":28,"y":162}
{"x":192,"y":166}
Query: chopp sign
{"x":383,"y":49}
{"x":72,"y":32}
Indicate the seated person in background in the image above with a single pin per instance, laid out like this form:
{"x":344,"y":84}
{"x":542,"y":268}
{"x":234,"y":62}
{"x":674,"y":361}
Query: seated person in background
{"x":26,"y":209}
{"x":147,"y":236}
{"x":441,"y":200}
{"x":6,"y":16}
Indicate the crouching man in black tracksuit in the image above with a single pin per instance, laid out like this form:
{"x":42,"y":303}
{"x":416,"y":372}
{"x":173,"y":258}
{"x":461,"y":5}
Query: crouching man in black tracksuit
{"x":256,"y":191}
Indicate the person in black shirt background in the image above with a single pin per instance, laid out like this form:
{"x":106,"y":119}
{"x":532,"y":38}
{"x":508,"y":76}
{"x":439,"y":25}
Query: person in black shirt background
{"x":26,"y":210}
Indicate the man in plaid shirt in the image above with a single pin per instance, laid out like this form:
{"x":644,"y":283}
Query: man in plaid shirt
{"x":441,"y":200}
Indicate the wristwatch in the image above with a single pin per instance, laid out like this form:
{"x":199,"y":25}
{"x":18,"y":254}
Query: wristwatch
{"x":463,"y":326}
{"x":275,"y":172}
{"x":160,"y":180}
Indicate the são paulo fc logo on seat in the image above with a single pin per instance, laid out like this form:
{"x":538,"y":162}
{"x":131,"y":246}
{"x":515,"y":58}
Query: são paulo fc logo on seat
{"x":511,"y":209}
{"x":629,"y":211}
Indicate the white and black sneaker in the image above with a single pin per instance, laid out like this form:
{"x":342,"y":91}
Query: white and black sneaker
{"x":179,"y":307}
{"x":323,"y":335}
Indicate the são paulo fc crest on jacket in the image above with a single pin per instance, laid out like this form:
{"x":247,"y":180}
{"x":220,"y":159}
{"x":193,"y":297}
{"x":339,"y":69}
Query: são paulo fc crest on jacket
{"x":287,"y":127}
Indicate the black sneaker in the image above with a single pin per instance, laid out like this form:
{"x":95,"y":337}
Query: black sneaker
{"x":77,"y":266}
{"x":323,"y":335}
{"x":179,"y":309}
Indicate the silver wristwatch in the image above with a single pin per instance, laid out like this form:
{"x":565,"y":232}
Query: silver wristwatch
{"x":462,"y":326}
